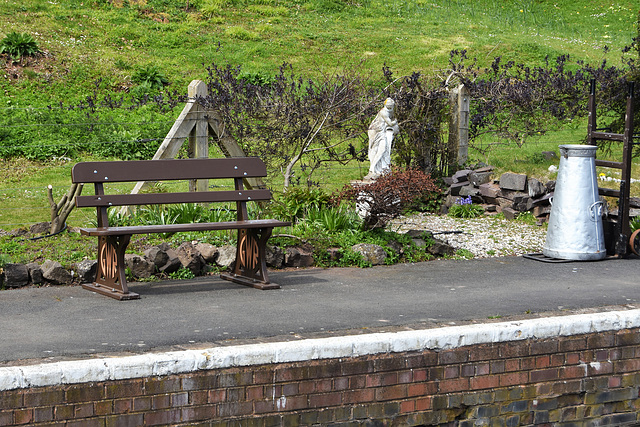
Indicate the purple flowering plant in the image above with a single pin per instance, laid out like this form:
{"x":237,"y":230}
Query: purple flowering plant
{"x":464,"y":208}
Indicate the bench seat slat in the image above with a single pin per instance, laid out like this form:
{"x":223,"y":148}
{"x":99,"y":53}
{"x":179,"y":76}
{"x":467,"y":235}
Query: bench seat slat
{"x":168,"y":169}
{"x":177,"y":228}
{"x":171,"y":198}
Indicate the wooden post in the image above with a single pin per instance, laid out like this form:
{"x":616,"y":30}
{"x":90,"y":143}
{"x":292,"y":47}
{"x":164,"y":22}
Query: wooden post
{"x":199,"y":135}
{"x":458,"y":143}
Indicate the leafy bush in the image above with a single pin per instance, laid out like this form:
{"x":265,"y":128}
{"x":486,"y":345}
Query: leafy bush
{"x":150,"y":76}
{"x":333,"y":219}
{"x":294,"y":203}
{"x":17,"y":45}
{"x":389,"y":196}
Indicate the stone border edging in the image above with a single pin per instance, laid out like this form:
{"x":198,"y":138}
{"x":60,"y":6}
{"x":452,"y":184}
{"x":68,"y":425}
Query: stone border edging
{"x":176,"y":362}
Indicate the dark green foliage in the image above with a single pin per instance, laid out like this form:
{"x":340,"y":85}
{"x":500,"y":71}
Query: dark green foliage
{"x":150,"y":76}
{"x":18,"y":45}
{"x":294,"y":203}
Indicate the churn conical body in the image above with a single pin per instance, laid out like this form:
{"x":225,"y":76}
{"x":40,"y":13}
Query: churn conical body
{"x":575,"y":224}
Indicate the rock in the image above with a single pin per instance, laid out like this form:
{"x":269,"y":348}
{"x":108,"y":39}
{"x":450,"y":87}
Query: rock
{"x":510,"y":213}
{"x":191,"y":258}
{"x":16,"y":275}
{"x":468,"y":190}
{"x":35,"y":273}
{"x":461,"y":176}
{"x":139,"y":266}
{"x":539,"y":211}
{"x":19,"y":232}
{"x":373,"y":254}
{"x":158,"y":255}
{"x":490,"y":208}
{"x":208,"y":252}
{"x":173,"y":263}
{"x":40,"y":228}
{"x":396,"y":246}
{"x":551,"y":186}
{"x":419,"y":234}
{"x":274,"y":256}
{"x":419,"y":243}
{"x":440,"y":248}
{"x":54,"y":273}
{"x":489,"y":190}
{"x":455,"y":189}
{"x":226,"y":256}
{"x":520,"y":202}
{"x":536,"y":188}
{"x":87,"y":270}
{"x":479,"y":178}
{"x":513,"y":181}
{"x":298,"y":257}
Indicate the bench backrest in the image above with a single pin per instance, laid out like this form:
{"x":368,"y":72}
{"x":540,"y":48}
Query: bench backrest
{"x":236,"y":168}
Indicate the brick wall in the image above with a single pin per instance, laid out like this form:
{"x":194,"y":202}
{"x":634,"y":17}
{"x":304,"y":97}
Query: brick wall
{"x":588,"y":379}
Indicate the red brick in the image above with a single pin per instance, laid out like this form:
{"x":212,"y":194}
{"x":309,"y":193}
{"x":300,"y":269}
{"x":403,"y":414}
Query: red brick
{"x":573,"y":359}
{"x":484,"y":352}
{"x":124,"y":389}
{"x":289,"y":374}
{"x":414,"y":362}
{"x":198,"y":413}
{"x":263,"y":376}
{"x":566,"y":344}
{"x":41,"y":414}
{"x":130,"y":420}
{"x":395,"y":392}
{"x":255,"y":393}
{"x":23,"y":416}
{"x":528,"y":363}
{"x":325,"y":370}
{"x":615,"y":382}
{"x":448,"y":386}
{"x":291,"y":403}
{"x":483,"y":369}
{"x":544,"y":375}
{"x":338,"y":384}
{"x":424,"y":404}
{"x":359,"y":396}
{"x":599,"y":368}
{"x":216,"y":396}
{"x":264,"y":406}
{"x":357,"y":367}
{"x":6,"y":418}
{"x":307,"y":387}
{"x":572,"y":372}
{"x":325,"y":400}
{"x":200,"y":381}
{"x":385,"y":364}
{"x":155,"y":418}
{"x":324,"y":386}
{"x":122,"y":406}
{"x":234,"y":379}
{"x":497,"y":367}
{"x":234,"y":409}
{"x":92,"y":422}
{"x":198,"y":397}
{"x":451,"y":371}
{"x":447,"y":357}
{"x":142,"y":403}
{"x":557,"y":360}
{"x":83,"y":410}
{"x":162,"y":385}
{"x":407,"y":406}
{"x":104,"y":407}
{"x":405,"y":377}
{"x":162,"y":401}
{"x":627,"y":337}
{"x":43,"y":397}
{"x":84,"y":393}
{"x":511,"y":365}
{"x":514,"y":349}
{"x":543,"y":361}
{"x":513,"y":378}
{"x":484,"y":382}
{"x":543,"y":347}
{"x":420,"y":375}
{"x":11,"y":399}
{"x":629,"y":365}
{"x":602,"y":355}
{"x":421,"y":389}
{"x":63,"y":412}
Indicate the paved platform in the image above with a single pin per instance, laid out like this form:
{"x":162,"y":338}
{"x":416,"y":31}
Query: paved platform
{"x":60,"y":323}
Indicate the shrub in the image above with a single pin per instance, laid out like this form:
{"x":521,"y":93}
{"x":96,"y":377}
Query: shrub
{"x":150,"y":76}
{"x":18,"y":45}
{"x":389,"y":196}
{"x":297,"y":201}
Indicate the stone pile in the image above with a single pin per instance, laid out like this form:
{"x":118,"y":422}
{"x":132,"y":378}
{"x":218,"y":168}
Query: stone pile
{"x":510,"y":195}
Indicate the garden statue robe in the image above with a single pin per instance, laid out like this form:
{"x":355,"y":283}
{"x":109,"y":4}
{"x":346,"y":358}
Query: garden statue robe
{"x":381,"y":132}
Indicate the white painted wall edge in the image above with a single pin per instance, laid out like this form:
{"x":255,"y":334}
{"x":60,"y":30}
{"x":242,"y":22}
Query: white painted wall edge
{"x":178,"y":362}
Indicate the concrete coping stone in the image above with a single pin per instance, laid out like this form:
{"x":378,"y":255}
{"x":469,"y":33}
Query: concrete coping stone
{"x":179,"y":362}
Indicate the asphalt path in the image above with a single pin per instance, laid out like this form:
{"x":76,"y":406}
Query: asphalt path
{"x":69,"y":322}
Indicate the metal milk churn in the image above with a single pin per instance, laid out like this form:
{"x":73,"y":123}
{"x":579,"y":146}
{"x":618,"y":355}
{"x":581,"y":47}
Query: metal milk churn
{"x":575,"y":224}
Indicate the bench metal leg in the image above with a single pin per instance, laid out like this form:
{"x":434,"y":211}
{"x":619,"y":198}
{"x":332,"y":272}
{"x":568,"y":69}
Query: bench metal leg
{"x":110,"y":277}
{"x":251,"y":265}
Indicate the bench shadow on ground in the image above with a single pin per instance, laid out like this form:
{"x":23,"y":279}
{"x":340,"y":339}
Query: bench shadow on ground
{"x":214,"y":283}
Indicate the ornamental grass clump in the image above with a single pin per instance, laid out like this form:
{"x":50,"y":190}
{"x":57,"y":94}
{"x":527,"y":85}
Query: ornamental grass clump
{"x":464,"y":208}
{"x":18,"y":45}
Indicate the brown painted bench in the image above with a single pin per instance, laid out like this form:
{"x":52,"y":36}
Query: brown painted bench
{"x":250,"y":267}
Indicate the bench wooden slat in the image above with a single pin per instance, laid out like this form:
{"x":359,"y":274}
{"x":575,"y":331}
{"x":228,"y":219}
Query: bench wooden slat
{"x":177,"y":228}
{"x":167,"y":170}
{"x":171,"y":198}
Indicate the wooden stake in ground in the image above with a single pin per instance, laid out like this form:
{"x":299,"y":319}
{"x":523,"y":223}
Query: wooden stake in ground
{"x":60,"y":211}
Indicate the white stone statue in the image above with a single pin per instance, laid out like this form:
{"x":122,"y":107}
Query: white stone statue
{"x":381,"y":132}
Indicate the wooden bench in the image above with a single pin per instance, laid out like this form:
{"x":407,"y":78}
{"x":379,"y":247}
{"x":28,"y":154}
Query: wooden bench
{"x":250,"y":268}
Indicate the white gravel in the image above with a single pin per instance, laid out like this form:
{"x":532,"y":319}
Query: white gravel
{"x":486,"y":236}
